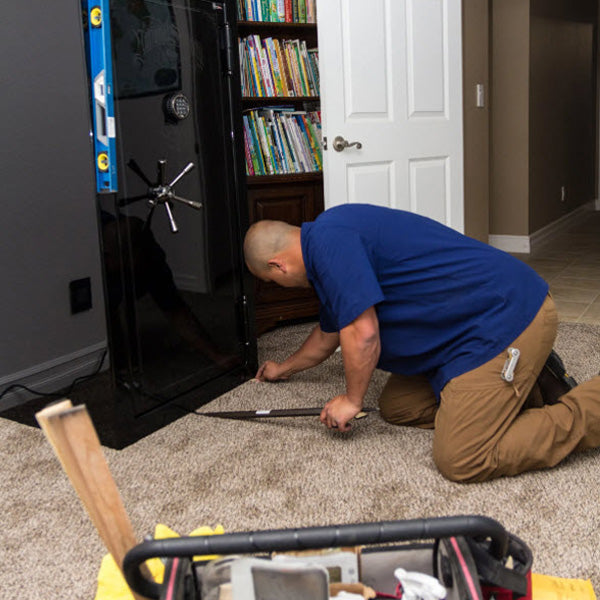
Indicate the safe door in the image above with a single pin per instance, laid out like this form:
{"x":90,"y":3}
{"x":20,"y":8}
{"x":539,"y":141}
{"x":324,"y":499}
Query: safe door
{"x":172,"y":234}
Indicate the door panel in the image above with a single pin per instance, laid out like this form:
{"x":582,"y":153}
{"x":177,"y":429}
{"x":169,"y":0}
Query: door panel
{"x":392,"y":80}
{"x":174,"y":272}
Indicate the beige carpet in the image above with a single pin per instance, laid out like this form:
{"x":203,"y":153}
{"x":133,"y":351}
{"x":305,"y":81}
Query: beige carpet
{"x":285,"y":473}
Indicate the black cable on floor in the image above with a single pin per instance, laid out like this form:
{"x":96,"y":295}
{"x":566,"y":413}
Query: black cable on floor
{"x":59,"y":393}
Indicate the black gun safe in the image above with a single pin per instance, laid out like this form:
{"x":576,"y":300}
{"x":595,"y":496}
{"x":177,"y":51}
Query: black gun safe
{"x":177,"y":296}
{"x":178,"y":300}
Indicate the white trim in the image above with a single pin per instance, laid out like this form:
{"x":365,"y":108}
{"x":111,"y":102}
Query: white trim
{"x":525,"y":244}
{"x":517,"y":244}
{"x":52,"y":375}
{"x":539,"y":236}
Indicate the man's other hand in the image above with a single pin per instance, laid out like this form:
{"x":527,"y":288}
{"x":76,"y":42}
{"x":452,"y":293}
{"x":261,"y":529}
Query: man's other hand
{"x":337,"y":413}
{"x":271,"y":371}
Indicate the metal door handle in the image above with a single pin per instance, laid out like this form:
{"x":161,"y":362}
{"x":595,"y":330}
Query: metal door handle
{"x":339,"y":144}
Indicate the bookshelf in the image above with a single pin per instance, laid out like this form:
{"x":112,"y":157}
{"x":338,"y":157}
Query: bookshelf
{"x":282,"y":135}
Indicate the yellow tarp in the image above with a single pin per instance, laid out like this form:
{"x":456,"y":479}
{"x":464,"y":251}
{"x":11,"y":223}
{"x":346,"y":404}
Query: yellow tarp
{"x":545,"y":587}
{"x":112,"y":585}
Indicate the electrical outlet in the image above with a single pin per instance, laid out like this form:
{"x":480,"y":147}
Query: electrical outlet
{"x":563,"y":193}
{"x":80,"y":292}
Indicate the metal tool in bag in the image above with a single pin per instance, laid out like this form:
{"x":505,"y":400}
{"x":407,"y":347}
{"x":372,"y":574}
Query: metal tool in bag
{"x":473,"y":557}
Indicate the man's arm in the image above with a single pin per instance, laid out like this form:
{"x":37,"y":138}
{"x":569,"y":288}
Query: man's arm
{"x":317,"y":347}
{"x":361,"y":348}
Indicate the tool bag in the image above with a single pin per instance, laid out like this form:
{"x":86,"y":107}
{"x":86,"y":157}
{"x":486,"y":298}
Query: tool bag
{"x":472,"y":557}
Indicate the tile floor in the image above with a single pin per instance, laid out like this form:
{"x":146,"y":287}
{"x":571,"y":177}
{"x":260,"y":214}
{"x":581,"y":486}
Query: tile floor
{"x":570,"y":263}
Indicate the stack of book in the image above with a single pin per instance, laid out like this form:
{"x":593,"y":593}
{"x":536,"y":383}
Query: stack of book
{"x":277,"y":11}
{"x":273,"y":67}
{"x":281,"y":140}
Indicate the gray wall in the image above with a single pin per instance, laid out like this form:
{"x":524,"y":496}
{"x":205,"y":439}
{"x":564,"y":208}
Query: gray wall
{"x":48,"y":225}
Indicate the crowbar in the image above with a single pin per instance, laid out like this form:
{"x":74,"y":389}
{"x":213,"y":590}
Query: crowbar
{"x":276,"y":412}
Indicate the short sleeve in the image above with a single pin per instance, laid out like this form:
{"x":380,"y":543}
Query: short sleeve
{"x":343,"y":276}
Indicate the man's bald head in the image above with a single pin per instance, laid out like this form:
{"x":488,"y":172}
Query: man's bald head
{"x":265,"y":240}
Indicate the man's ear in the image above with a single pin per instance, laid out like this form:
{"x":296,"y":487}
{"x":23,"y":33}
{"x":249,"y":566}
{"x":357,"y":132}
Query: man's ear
{"x":277,"y":263}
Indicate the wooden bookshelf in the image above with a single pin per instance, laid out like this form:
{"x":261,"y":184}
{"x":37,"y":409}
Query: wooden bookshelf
{"x":292,"y":197}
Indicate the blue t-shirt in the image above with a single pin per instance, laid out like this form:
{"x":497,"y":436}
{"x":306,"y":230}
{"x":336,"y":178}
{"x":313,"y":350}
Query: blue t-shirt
{"x":445,"y":302}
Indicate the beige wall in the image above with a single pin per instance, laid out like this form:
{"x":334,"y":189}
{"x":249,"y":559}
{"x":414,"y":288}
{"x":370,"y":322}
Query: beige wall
{"x":509,"y":168}
{"x":543,"y":113}
{"x":476,"y":120}
{"x":562,"y":139}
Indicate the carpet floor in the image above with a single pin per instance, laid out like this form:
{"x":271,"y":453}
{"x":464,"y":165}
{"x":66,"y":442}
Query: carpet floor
{"x":285,"y":473}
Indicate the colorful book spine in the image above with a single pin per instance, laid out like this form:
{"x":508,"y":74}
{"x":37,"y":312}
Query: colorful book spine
{"x":256,"y":66}
{"x":279,"y":140}
{"x":311,"y":11}
{"x":264,"y":144}
{"x":288,"y":11}
{"x":301,"y":11}
{"x":256,"y":143}
{"x":281,"y":11}
{"x":275,"y":68}
{"x":313,"y":61}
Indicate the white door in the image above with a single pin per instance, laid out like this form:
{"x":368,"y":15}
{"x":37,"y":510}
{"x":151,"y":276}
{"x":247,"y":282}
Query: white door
{"x":391,"y":79}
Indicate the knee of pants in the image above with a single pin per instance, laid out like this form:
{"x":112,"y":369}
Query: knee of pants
{"x":457,"y":465}
{"x":395,"y":414}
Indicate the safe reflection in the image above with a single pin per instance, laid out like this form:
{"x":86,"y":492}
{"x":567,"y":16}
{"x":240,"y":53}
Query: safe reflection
{"x":149,"y":276}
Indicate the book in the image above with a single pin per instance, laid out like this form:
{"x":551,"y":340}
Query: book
{"x":250,"y":162}
{"x":283,"y":61}
{"x":265,"y":70}
{"x":305,"y":69}
{"x":299,"y":66}
{"x":301,"y":11}
{"x":281,"y":11}
{"x":258,"y":144}
{"x":313,"y":60}
{"x":275,"y":69}
{"x":255,"y":63}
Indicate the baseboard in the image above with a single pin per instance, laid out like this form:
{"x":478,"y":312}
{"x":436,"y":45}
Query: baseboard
{"x":52,"y":375}
{"x":539,"y":236}
{"x":515,"y":244}
{"x":525,"y":244}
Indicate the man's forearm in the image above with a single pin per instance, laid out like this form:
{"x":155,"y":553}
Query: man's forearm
{"x":317,"y":347}
{"x":360,"y":351}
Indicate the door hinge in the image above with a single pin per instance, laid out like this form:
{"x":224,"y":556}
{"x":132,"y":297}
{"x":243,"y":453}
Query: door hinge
{"x":325,"y":143}
{"x":225,"y":37}
{"x":245,"y":321}
{"x":228,"y":50}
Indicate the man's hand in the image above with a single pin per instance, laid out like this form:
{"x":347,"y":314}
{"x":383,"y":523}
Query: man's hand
{"x":316,"y":348}
{"x":337,"y":413}
{"x":272,"y":371}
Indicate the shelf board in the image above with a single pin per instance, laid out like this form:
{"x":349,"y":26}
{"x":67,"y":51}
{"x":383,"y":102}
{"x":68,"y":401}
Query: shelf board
{"x":258,"y":25}
{"x":272,"y":100}
{"x":285,"y":178}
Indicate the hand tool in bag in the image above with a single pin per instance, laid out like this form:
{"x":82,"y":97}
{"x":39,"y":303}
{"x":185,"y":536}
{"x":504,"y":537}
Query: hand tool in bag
{"x":73,"y":437}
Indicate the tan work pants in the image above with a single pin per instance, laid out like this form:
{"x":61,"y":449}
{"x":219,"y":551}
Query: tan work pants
{"x":483,"y":428}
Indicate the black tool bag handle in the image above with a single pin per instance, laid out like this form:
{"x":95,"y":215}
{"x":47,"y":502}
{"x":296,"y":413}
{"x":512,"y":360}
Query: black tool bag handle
{"x":281,"y":540}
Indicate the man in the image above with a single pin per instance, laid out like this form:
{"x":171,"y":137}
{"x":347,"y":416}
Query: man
{"x":439,"y":311}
